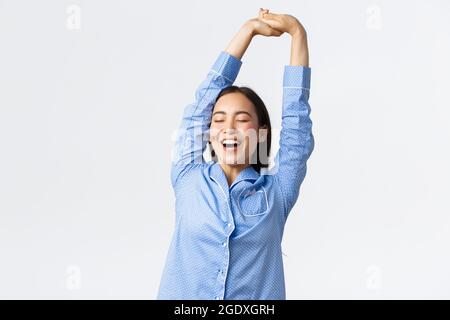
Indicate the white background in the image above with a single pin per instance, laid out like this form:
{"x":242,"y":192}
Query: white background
{"x":92,"y":91}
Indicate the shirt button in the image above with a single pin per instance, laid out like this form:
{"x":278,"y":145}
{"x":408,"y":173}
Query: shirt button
{"x":224,"y":244}
{"x":229,"y":225}
{"x":217,"y":298}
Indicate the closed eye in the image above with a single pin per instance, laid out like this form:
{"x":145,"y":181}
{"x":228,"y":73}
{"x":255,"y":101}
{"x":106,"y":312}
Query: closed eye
{"x":239,"y":120}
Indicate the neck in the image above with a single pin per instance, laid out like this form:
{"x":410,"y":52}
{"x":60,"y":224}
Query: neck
{"x":231,"y":172}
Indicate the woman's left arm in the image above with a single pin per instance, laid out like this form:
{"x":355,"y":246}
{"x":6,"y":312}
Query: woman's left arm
{"x":299,"y":48}
{"x":296,"y":138}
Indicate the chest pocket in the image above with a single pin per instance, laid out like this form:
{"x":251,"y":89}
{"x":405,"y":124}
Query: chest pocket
{"x":253,"y":202}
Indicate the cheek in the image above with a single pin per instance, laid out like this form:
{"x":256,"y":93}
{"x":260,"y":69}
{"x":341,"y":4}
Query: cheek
{"x":249,"y":126}
{"x":214,"y":130}
{"x":250,"y":132}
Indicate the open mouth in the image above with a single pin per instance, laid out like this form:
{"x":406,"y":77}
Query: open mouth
{"x":230,"y":144}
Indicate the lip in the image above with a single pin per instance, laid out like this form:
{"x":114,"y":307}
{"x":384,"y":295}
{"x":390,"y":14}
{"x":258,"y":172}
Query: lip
{"x":231,"y":140}
{"x":230,"y":149}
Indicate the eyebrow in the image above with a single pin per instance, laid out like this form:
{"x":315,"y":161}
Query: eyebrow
{"x":236,"y":113}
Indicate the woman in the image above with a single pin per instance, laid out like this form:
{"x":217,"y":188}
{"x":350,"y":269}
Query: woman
{"x":229,"y":215}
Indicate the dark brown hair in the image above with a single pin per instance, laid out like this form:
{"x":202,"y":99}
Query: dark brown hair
{"x":263,"y":120}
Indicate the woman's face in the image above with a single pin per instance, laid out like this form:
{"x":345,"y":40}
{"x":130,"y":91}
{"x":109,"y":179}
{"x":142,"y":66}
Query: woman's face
{"x":234,"y":130}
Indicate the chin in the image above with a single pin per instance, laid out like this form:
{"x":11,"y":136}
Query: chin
{"x":232,"y":161}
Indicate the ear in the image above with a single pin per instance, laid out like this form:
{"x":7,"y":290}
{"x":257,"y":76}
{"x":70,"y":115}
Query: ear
{"x":262,"y":133}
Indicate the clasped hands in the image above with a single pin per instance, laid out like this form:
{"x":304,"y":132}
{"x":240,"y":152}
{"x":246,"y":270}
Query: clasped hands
{"x":274,"y":24}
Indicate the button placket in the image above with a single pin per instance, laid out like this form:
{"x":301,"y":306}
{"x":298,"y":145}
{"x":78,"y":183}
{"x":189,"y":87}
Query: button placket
{"x":229,"y":223}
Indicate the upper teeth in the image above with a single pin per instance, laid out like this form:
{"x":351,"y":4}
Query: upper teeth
{"x":229,"y":141}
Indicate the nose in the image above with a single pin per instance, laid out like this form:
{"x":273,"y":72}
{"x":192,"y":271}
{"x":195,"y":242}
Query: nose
{"x":229,"y":131}
{"x":229,"y":127}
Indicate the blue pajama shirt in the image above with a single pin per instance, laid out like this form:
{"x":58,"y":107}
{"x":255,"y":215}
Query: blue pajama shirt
{"x":227,"y":239}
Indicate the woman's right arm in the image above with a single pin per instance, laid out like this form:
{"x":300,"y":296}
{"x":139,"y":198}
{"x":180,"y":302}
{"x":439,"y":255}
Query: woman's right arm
{"x":192,"y":134}
{"x":191,"y":137}
{"x":240,"y":42}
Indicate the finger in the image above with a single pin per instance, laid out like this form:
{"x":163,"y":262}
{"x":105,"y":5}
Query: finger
{"x":262,"y":12}
{"x":269,"y":15}
{"x":271,"y":23}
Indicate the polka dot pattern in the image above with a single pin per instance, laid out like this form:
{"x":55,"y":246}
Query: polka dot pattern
{"x":227,"y":239}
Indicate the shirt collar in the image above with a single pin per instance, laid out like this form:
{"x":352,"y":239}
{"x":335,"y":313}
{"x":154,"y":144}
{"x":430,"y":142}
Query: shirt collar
{"x":217,"y":174}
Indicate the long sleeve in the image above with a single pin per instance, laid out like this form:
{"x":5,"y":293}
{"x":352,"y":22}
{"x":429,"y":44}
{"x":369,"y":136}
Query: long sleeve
{"x":192,"y":135}
{"x":296,"y":138}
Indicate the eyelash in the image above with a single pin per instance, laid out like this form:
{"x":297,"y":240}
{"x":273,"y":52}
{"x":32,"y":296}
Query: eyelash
{"x":236,"y":120}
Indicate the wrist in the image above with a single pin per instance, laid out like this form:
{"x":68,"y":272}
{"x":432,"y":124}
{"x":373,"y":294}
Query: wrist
{"x":248,"y":28}
{"x":298,"y":32}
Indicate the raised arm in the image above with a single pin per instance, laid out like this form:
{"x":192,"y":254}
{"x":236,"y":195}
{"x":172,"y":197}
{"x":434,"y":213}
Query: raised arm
{"x":191,"y":138}
{"x":296,"y":138}
{"x":240,"y":42}
{"x":289,"y":24}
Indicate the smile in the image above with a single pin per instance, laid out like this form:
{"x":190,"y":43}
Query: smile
{"x":230,"y":144}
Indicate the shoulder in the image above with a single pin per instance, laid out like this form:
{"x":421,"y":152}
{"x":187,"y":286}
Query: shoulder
{"x":194,"y":175}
